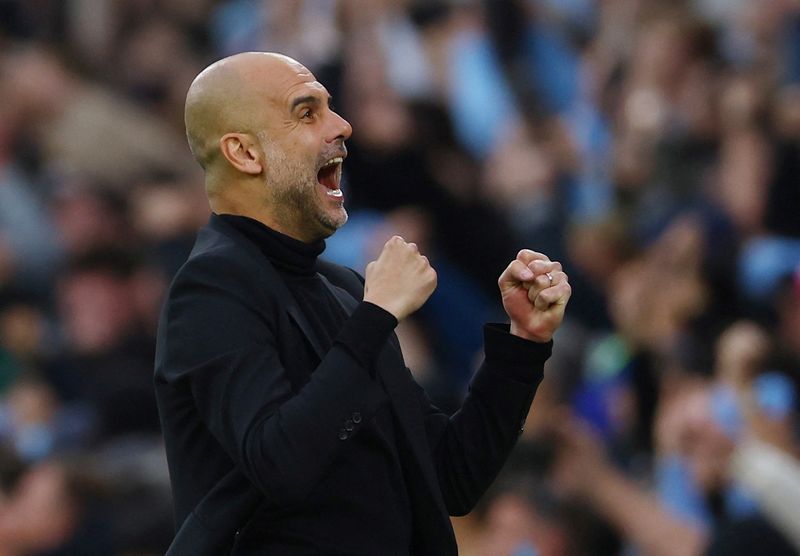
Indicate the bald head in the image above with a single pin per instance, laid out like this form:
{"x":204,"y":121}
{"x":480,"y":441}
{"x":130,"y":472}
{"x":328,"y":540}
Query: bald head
{"x":232,"y":95}
{"x":263,"y":129}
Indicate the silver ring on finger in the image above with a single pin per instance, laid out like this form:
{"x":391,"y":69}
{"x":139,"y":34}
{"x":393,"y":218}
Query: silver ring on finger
{"x":549,"y":277}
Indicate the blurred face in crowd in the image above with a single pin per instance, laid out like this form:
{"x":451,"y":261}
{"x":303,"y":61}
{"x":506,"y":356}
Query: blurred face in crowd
{"x":514,"y":526}
{"x":97,"y":310}
{"x":278,"y":128}
{"x":40,"y":513}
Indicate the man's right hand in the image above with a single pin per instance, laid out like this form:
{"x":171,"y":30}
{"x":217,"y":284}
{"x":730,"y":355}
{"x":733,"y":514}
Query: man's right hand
{"x":401,"y":280}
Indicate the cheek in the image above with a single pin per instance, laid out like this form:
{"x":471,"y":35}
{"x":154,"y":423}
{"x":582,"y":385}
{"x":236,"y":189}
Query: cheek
{"x":302,"y":168}
{"x":301,"y":148}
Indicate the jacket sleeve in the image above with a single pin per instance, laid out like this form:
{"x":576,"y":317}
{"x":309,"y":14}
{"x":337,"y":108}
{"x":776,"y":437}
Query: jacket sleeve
{"x":470,"y":447}
{"x":224,"y":352}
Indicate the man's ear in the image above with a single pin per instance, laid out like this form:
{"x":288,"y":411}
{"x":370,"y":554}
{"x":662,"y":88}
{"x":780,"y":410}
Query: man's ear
{"x":242,"y":152}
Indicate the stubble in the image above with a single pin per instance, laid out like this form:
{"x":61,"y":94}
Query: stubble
{"x":292,"y":191}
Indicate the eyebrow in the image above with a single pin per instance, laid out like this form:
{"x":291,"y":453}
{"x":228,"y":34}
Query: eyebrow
{"x":308,"y":99}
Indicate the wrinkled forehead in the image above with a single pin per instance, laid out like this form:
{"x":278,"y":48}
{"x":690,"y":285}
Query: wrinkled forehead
{"x":305,"y":89}
{"x":287,"y":80}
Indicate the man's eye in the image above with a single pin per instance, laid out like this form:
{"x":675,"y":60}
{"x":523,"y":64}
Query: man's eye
{"x":306,"y":114}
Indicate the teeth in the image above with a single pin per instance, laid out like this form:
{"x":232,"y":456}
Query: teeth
{"x":332,"y":161}
{"x":334,"y":192}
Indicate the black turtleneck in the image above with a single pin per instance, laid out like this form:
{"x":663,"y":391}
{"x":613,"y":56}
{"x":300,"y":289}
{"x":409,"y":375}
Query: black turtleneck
{"x":296,"y":262}
{"x":374,"y":448}
{"x":287,"y":254}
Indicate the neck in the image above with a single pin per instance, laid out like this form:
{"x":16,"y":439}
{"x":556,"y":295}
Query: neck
{"x":243,"y":205}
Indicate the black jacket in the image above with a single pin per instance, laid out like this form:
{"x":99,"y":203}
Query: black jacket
{"x":244,"y":425}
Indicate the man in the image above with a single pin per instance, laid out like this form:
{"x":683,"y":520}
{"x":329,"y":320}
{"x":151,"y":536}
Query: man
{"x":292,"y":425}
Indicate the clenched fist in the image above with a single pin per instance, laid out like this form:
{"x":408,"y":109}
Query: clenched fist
{"x":400,"y":280}
{"x":535,"y":292}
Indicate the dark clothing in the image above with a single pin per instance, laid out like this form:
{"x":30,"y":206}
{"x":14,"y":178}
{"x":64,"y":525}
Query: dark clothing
{"x":783,"y":196}
{"x":115,"y":385}
{"x":272,"y":439}
{"x":744,"y":537}
{"x":296,"y":263}
{"x":387,"y":515}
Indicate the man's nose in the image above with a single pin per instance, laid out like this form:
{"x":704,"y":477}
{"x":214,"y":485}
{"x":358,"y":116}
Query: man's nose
{"x":340,"y":128}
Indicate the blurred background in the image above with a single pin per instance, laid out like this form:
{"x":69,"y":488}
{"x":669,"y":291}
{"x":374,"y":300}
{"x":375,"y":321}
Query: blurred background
{"x":652,"y":146}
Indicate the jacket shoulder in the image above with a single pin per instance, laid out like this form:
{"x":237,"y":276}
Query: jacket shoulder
{"x":220,"y":257}
{"x":225,"y":269}
{"x":221,"y":299}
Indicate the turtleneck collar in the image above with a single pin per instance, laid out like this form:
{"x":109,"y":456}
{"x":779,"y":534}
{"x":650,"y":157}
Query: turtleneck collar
{"x":286,"y":253}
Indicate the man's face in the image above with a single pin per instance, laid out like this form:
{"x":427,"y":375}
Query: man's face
{"x":303,"y":144}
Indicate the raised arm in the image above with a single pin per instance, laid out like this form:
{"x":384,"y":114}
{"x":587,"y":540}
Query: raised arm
{"x":470,"y":447}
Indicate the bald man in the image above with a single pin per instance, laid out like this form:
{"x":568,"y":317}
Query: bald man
{"x":292,"y":425}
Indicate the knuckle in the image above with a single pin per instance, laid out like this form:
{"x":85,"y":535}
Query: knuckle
{"x":533,"y":255}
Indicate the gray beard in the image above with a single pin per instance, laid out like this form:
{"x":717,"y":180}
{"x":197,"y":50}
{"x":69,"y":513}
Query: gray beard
{"x":295,"y":195}
{"x":299,"y":204}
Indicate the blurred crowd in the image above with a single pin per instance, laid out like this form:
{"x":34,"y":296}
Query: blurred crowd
{"x":652,"y":146}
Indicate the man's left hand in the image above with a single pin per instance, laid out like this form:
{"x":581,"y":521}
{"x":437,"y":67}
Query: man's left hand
{"x":535,"y":292}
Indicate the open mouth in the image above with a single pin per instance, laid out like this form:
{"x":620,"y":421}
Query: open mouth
{"x":330,"y":176}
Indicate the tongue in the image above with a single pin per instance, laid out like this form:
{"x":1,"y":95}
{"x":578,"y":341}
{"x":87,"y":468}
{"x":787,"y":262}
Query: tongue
{"x":327,"y":177}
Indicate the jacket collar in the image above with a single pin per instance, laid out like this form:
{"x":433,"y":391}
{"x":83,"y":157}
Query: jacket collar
{"x":288,"y":300}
